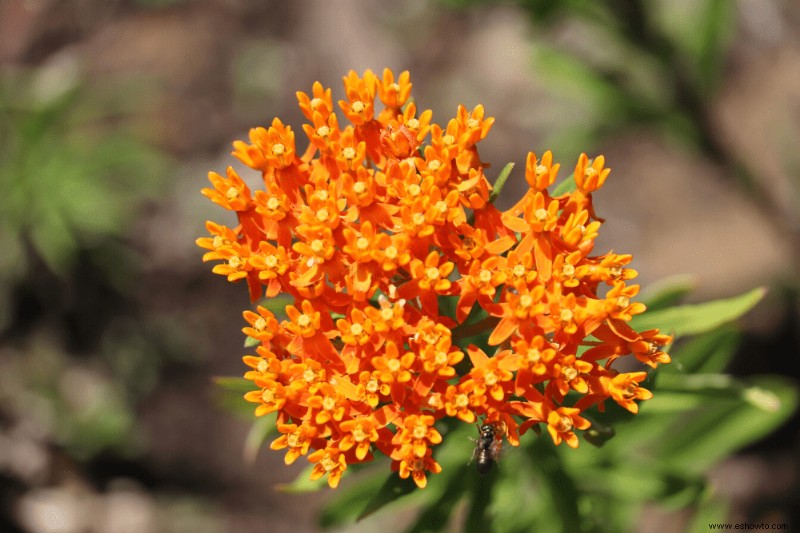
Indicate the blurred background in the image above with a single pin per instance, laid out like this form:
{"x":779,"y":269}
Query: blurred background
{"x":113,"y":111}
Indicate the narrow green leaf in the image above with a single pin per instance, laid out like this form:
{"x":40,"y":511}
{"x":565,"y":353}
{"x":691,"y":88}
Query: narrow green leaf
{"x":229,"y":395}
{"x":718,"y":429}
{"x":705,"y":354}
{"x":667,"y":292}
{"x":500,"y":182}
{"x":349,"y":501}
{"x":303,"y":483}
{"x":447,"y":305}
{"x":234,"y":384}
{"x":276,"y":304}
{"x":567,"y":186}
{"x":715,"y":28}
{"x":54,"y":240}
{"x":257,"y":436}
{"x":392,"y":489}
{"x":674,"y":402}
{"x":568,"y":73}
{"x":681,"y":490}
{"x":699,"y":318}
{"x":702,"y":383}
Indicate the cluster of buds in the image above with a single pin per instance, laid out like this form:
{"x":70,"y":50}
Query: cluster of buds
{"x":395,"y":257}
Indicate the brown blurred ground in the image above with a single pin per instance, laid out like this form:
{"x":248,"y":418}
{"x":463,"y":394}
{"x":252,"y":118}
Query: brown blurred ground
{"x":212,"y":69}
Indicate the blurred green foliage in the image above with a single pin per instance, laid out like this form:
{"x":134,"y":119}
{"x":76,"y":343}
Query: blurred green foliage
{"x":77,"y":406}
{"x":75,"y":174}
{"x":655,"y":63}
{"x":72,"y":173}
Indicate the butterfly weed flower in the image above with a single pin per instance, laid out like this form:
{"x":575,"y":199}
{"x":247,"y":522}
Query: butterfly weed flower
{"x":383,"y":236}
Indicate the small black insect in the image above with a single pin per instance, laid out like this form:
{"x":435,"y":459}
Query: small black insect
{"x":487,"y":447}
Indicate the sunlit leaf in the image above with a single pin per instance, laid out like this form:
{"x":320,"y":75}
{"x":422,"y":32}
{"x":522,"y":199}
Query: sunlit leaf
{"x":667,"y":292}
{"x":698,"y":318}
{"x":674,"y":402}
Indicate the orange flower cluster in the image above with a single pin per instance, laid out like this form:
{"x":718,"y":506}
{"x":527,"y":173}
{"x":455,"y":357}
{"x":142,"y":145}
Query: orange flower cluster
{"x":369,"y":231}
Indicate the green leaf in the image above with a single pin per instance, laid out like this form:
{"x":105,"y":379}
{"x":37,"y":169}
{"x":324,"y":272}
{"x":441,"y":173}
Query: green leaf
{"x":303,"y":483}
{"x":261,"y":429}
{"x":719,"y":428}
{"x":699,"y":318}
{"x":54,"y":241}
{"x":500,"y":182}
{"x":234,"y":384}
{"x":277,"y":305}
{"x":567,"y":186}
{"x":392,"y":490}
{"x":672,"y":402}
{"x":704,"y":354}
{"x":349,"y":504}
{"x":710,"y":388}
{"x":634,"y":482}
{"x":447,"y":305}
{"x":667,"y":292}
{"x":229,"y":395}
{"x":714,"y":30}
{"x":570,"y":74}
{"x":250,"y":342}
